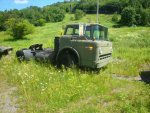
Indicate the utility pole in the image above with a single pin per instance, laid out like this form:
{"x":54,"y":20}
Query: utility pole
{"x":97,"y":10}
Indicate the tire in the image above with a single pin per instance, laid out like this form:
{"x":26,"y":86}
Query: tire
{"x":20,"y":55}
{"x":67,"y":60}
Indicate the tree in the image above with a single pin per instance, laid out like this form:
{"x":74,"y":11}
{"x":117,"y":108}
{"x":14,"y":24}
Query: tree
{"x":145,"y":17}
{"x":54,"y":14}
{"x":18,"y":28}
{"x":40,"y":22}
{"x":145,"y":3}
{"x":79,"y":14}
{"x":138,"y":19}
{"x":2,"y":20}
{"x":134,"y":3}
{"x":32,"y":14}
{"x":128,"y":16}
{"x":113,"y":6}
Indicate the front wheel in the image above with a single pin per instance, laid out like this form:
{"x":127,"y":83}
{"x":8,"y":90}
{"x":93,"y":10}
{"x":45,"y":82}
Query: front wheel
{"x":67,"y":60}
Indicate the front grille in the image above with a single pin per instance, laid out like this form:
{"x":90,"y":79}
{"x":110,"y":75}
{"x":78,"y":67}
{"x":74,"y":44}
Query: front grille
{"x":104,"y":56}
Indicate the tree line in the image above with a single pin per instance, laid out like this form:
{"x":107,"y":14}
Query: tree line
{"x":35,"y":15}
{"x":19,"y":23}
{"x":133,"y":12}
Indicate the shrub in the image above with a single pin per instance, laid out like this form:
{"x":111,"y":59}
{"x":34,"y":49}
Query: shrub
{"x":138,"y":19}
{"x":128,"y":16}
{"x":72,"y":18}
{"x":115,"y":18}
{"x":18,"y":28}
{"x":79,"y":14}
{"x":40,"y":22}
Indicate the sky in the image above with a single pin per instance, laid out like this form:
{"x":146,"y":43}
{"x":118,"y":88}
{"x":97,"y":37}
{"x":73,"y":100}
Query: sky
{"x":20,"y":4}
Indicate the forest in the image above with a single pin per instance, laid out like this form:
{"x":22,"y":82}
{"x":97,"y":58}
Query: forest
{"x":132,"y":12}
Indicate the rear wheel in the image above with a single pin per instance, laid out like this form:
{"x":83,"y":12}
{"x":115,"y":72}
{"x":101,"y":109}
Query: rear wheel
{"x":20,"y":55}
{"x":67,"y":60}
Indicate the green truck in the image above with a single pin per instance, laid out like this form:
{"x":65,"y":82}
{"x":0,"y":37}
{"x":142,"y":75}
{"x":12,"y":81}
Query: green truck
{"x":84,"y":45}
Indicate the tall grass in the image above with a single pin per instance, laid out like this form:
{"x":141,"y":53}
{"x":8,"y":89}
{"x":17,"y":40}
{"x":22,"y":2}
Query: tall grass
{"x":131,"y":50}
{"x":44,"y":88}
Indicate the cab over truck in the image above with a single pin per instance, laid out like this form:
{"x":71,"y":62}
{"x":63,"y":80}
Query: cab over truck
{"x":84,"y":45}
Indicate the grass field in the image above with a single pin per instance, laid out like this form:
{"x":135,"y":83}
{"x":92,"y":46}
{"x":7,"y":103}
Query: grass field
{"x":44,"y":88}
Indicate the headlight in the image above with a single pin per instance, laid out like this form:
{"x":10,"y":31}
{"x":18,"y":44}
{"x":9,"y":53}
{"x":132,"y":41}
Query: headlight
{"x":100,"y":51}
{"x":111,"y":49}
{"x":89,"y":47}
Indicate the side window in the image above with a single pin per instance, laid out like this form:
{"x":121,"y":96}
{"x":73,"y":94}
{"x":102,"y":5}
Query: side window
{"x":96,"y":34}
{"x":72,"y":30}
{"x":76,"y":32}
{"x":87,"y":33}
{"x":69,"y":31}
{"x":102,"y":35}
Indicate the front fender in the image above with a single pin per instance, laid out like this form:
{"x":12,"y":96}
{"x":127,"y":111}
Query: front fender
{"x":70,"y":49}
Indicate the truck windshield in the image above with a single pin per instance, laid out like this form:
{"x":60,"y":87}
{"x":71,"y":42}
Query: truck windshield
{"x":95,"y":32}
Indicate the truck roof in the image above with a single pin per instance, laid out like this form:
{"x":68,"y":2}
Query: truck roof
{"x":86,"y":24}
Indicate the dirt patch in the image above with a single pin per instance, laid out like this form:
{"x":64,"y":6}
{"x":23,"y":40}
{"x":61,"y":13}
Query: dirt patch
{"x":8,"y":100}
{"x":129,"y":78}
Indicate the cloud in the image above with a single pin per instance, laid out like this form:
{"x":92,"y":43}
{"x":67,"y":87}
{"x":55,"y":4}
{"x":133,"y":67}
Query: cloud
{"x":21,"y":1}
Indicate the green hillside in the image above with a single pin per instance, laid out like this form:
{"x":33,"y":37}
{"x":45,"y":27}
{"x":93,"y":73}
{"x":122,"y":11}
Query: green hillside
{"x":44,"y":88}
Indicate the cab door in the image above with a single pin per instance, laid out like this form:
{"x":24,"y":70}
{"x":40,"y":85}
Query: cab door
{"x":83,"y":46}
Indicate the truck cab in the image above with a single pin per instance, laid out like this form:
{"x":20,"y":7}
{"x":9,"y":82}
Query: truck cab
{"x":85,"y":45}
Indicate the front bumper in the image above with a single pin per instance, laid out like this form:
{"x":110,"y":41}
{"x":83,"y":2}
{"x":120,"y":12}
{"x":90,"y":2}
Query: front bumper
{"x":101,"y":63}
